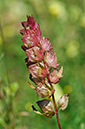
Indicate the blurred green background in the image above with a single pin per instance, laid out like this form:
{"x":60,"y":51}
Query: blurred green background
{"x":63,"y":22}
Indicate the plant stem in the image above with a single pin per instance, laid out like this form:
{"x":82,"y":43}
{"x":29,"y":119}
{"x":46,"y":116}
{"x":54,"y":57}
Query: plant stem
{"x":56,"y":111}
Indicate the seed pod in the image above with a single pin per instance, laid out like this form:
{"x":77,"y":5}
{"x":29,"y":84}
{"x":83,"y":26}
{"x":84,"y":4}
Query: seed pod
{"x":63,"y":102}
{"x":47,"y":107}
{"x":41,"y":90}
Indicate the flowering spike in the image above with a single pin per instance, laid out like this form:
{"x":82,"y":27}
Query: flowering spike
{"x":42,"y":64}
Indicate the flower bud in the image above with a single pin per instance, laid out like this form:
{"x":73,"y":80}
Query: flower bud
{"x":55,"y":75}
{"x":30,"y":39}
{"x":34,"y":26}
{"x":45,"y":45}
{"x":51,"y":59}
{"x":38,"y":70}
{"x":63,"y":102}
{"x":34,"y":54}
{"x":31,"y":22}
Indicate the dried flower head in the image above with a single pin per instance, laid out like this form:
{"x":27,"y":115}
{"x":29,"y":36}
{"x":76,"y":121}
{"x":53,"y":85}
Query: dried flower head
{"x":46,"y":106}
{"x":63,"y":102}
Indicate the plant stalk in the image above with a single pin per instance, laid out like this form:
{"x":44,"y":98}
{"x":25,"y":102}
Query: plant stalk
{"x":56,"y":111}
{"x":55,"y":106}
